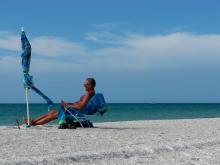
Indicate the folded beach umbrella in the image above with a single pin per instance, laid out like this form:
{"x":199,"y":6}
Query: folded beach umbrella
{"x":28,"y":79}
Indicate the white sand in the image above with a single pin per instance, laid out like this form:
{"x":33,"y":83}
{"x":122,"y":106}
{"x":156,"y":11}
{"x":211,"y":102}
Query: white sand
{"x":138,"y":142}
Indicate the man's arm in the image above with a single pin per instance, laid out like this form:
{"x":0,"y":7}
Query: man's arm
{"x":80,"y":104}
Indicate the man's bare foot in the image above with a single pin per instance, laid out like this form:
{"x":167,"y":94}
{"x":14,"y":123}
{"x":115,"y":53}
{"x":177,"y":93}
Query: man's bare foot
{"x":26,"y":121}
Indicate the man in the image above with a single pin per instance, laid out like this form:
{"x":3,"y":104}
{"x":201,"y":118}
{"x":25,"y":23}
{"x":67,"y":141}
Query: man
{"x":53,"y":114}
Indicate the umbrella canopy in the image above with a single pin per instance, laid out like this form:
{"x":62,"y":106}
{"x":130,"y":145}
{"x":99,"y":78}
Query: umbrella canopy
{"x":26,"y":58}
{"x":26,"y":53}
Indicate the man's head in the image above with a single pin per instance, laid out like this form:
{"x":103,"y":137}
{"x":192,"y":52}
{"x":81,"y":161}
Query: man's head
{"x":90,"y":84}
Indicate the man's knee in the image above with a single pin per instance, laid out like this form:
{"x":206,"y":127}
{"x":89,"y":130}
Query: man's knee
{"x":53,"y":114}
{"x":53,"y":111}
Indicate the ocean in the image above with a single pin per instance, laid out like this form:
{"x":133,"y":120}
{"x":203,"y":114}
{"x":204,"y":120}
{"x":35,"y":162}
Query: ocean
{"x":120,"y":112}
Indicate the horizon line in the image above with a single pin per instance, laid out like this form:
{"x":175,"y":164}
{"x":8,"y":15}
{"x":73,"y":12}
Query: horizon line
{"x":135,"y":103}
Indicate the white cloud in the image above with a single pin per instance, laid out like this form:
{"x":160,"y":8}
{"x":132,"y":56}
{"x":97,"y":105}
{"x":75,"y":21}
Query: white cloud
{"x":104,"y":33}
{"x":105,"y":37}
{"x":109,"y":25}
{"x":54,"y":46}
{"x":43,"y":45}
{"x":177,"y":45}
{"x":133,"y":52}
{"x":141,"y":53}
{"x":9,"y":41}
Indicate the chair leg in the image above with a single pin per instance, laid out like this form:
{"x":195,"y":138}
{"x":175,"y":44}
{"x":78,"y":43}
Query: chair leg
{"x":88,"y":123}
{"x":75,"y":118}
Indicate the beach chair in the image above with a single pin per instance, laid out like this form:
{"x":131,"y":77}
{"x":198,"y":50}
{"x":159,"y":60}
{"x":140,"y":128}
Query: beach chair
{"x":69,"y":115}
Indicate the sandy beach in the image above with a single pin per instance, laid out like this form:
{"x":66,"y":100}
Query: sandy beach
{"x":166,"y":142}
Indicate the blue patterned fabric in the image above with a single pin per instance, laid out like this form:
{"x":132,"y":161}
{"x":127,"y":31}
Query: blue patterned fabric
{"x":26,"y":53}
{"x":96,"y":103}
{"x":26,"y":58}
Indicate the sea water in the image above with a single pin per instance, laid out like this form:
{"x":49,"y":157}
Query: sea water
{"x":120,"y":112}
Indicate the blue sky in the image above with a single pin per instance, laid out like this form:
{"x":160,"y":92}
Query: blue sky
{"x":138,"y":51}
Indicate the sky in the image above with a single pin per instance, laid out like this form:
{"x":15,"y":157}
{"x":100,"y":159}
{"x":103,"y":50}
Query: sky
{"x":139,"y":51}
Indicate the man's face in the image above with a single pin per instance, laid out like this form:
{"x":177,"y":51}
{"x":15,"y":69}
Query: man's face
{"x":87,"y":85}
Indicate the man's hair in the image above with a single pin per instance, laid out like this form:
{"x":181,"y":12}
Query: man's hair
{"x":91,"y":81}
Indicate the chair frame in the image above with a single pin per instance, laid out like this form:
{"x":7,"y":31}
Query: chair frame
{"x":79,"y":116}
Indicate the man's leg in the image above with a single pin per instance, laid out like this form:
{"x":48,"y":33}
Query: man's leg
{"x":52,"y":115}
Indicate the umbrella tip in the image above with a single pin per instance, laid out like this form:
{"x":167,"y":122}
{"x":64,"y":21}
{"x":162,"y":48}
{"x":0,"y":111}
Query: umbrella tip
{"x":22,"y":29}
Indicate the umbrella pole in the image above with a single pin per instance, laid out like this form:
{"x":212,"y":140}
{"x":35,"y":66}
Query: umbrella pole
{"x":28,"y":114}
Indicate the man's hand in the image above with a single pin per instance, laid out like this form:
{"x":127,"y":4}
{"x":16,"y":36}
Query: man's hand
{"x":62,"y":103}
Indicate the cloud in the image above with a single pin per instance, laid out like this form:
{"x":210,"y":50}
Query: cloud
{"x":43,"y":45}
{"x":9,"y":41}
{"x":105,"y":37}
{"x":106,"y":33}
{"x":132,"y":52}
{"x":109,"y":25}
{"x":142,"y":53}
{"x":54,"y":46}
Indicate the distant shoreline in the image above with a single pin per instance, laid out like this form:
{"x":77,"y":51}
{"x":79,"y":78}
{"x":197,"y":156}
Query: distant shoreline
{"x":136,"y":103}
